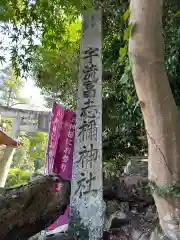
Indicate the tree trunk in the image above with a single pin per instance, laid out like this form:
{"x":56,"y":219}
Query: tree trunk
{"x":27,"y":210}
{"x":158,"y":107}
{"x":7,"y":158}
{"x":5,"y":163}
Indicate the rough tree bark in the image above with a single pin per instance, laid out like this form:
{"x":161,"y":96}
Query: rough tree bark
{"x":27,"y":210}
{"x":146,"y":49}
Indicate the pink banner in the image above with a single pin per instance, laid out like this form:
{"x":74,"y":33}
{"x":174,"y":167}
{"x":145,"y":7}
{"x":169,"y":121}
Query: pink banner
{"x":54,"y":135}
{"x":60,"y":149}
{"x":64,"y":154}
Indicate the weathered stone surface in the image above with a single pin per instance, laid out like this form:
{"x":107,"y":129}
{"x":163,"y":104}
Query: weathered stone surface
{"x":137,"y":166}
{"x":87,"y":208}
{"x":127,"y":189}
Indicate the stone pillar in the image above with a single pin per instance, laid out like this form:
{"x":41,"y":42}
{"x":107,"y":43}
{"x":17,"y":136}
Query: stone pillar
{"x":86,"y":208}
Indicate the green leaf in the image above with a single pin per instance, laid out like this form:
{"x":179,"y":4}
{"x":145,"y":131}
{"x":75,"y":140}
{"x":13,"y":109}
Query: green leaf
{"x":137,"y":104}
{"x":127,"y":32}
{"x":2,"y":59}
{"x":124,"y":78}
{"x":128,"y":99}
{"x":178,"y":13}
{"x":122,"y":53}
{"x":121,"y":20}
{"x":126,"y":14}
